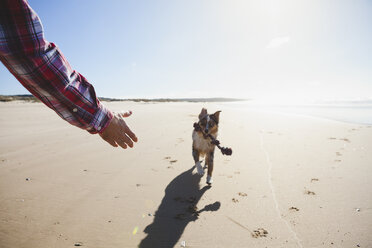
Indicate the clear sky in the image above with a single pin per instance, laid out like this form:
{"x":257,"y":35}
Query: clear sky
{"x":207,"y":48}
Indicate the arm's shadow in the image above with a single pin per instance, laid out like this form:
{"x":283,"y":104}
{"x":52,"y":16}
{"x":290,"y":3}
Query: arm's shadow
{"x":176,"y":210}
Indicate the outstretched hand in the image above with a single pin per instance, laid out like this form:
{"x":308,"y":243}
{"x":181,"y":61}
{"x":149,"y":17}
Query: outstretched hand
{"x":117,"y":133}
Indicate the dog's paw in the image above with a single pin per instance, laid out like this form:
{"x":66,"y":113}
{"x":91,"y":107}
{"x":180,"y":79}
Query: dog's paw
{"x":199,"y":169}
{"x":209,"y":180}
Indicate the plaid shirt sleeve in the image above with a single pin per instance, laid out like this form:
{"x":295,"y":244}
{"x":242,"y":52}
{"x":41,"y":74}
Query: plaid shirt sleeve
{"x":43,"y":70}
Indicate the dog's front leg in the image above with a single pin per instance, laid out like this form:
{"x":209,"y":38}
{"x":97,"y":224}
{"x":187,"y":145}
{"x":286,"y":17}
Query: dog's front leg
{"x":210,"y":167}
{"x":196,"y":154}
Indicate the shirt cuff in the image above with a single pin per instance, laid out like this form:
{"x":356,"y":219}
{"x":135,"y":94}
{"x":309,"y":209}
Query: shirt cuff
{"x":101,"y":119}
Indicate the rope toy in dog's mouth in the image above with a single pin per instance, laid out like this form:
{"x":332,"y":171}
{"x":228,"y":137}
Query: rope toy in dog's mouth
{"x":225,"y":150}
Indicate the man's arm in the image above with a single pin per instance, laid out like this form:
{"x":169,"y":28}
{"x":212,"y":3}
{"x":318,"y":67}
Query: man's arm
{"x":43,"y":70}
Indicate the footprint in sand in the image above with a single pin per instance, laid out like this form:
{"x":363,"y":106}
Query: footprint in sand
{"x":242,"y":194}
{"x":170,"y":161}
{"x":259,"y":233}
{"x":338,"y":154}
{"x":294,"y":209}
{"x":314,"y":180}
{"x":337,"y":160}
{"x":170,"y":167}
{"x":235,"y":200}
{"x":308,"y":192}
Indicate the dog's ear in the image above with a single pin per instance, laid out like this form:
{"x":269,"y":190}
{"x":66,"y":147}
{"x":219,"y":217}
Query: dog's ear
{"x":217,"y":116}
{"x":203,"y":113}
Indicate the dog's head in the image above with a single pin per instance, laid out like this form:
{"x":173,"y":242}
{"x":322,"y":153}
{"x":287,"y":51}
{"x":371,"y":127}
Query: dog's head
{"x":209,"y":123}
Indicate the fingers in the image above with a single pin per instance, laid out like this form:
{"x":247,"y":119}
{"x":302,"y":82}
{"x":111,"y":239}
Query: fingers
{"x":110,"y":141}
{"x":125,"y":114}
{"x":122,"y":144}
{"x":121,"y":137}
{"x":130,"y":134}
{"x":118,"y":133}
{"x":119,"y":140}
{"x":126,"y":131}
{"x":124,"y":141}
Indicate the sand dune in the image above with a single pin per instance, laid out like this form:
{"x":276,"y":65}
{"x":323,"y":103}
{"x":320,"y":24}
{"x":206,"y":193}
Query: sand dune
{"x":291,"y":182}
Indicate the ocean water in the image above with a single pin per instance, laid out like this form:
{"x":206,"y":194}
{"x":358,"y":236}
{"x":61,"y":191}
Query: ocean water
{"x":350,"y":112}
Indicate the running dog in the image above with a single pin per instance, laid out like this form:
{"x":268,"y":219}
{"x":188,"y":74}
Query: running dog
{"x":201,"y":145}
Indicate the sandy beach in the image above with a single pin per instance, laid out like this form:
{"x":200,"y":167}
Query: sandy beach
{"x":291,"y":182}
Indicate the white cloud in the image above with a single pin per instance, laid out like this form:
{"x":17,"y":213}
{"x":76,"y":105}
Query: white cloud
{"x":278,"y":41}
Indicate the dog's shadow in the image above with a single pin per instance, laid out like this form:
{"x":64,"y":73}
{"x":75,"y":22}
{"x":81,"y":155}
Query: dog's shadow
{"x":176,"y":210}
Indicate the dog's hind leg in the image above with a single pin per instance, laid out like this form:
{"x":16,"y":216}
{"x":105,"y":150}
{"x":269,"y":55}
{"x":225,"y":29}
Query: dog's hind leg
{"x":210,"y":158}
{"x":196,"y":155}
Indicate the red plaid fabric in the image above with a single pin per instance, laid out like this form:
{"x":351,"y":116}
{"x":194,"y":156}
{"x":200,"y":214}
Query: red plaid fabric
{"x":43,"y":70}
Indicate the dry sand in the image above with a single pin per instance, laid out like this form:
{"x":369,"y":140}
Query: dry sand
{"x":291,"y":182}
